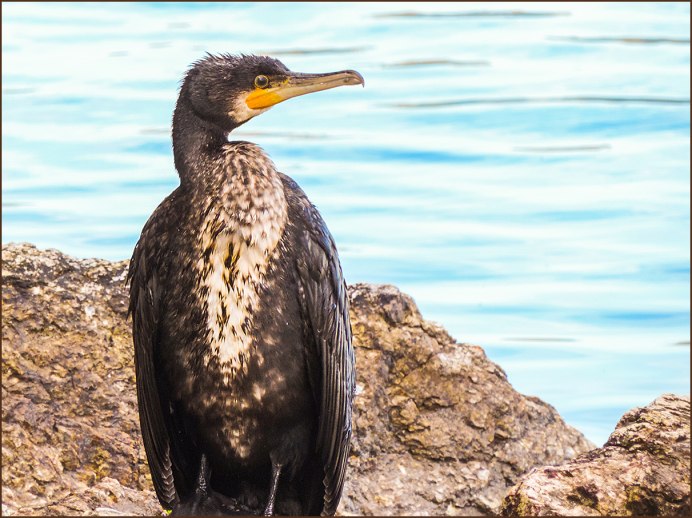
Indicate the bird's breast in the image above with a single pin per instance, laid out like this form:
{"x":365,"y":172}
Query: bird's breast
{"x":237,"y":249}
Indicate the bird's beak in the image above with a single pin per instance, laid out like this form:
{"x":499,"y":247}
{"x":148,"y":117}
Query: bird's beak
{"x":300,"y":84}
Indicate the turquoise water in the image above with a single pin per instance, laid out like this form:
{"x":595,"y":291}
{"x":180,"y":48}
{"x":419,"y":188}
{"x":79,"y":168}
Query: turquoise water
{"x":524,"y":175}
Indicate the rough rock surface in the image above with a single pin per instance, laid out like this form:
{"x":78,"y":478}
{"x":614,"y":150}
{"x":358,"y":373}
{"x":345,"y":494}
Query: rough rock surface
{"x":69,"y":419}
{"x":643,"y":469}
{"x":438,"y":429}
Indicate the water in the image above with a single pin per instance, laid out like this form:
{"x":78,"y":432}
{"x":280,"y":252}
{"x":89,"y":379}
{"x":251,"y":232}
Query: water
{"x":523,"y":175}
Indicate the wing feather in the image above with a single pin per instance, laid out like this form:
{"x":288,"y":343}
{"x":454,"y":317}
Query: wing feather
{"x":161,"y":434}
{"x":325,"y":302}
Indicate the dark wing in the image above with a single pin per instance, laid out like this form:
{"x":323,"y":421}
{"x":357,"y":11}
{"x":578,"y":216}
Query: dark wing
{"x":155,"y":416}
{"x":331,"y":359}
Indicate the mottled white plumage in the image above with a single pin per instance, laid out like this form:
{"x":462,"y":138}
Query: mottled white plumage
{"x":252,"y":218}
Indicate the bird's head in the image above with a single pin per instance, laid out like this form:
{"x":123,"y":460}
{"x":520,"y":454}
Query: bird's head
{"x":229,"y":90}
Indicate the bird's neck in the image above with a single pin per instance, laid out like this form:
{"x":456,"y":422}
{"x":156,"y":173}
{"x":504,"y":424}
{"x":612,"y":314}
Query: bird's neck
{"x":195,"y":141}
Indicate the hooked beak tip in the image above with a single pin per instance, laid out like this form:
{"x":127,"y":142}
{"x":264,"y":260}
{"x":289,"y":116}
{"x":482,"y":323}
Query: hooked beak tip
{"x":357,"y":77}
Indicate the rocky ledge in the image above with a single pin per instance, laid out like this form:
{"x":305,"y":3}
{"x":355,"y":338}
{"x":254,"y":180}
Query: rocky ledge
{"x":643,"y":469}
{"x":438,"y":429}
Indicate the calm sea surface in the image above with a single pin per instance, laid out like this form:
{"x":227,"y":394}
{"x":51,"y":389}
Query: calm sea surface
{"x":521,"y":169}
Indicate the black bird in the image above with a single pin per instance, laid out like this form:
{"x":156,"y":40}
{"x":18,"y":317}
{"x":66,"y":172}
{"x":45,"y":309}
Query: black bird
{"x":244,"y":363}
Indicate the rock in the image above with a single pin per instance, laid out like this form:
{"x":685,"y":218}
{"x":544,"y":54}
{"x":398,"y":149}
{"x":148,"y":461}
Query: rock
{"x":643,"y":469}
{"x":438,"y":429}
{"x":70,"y":439}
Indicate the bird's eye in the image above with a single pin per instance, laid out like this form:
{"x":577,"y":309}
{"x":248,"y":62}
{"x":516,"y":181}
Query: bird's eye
{"x":261,"y":81}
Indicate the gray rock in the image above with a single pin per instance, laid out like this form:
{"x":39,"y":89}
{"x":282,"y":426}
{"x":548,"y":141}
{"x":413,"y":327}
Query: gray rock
{"x":643,"y":469}
{"x":438,"y":429}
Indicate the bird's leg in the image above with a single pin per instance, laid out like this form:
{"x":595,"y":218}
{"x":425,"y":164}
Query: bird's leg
{"x":202,"y":502}
{"x":203,"y":476}
{"x":276,"y":471}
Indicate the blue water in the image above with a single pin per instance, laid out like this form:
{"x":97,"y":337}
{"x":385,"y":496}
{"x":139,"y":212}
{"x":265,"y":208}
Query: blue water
{"x":530,"y":188}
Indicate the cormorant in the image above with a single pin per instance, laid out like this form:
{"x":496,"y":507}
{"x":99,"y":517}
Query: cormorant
{"x":244,"y":363}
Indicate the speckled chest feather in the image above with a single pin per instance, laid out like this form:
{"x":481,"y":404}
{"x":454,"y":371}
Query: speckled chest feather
{"x":242,"y":229}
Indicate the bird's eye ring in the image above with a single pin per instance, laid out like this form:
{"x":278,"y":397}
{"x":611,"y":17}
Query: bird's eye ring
{"x":261,"y":81}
